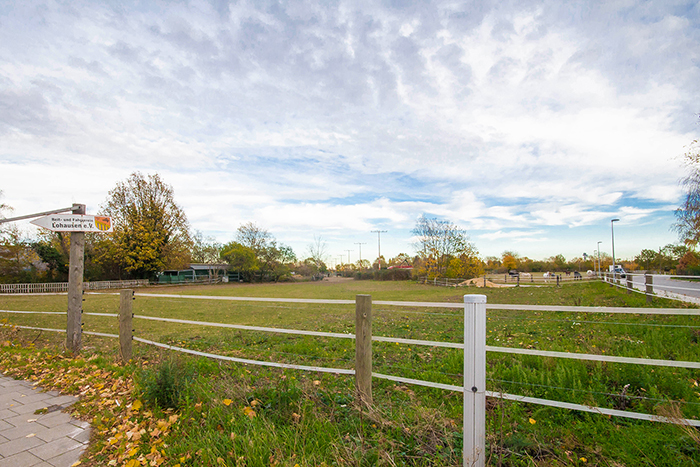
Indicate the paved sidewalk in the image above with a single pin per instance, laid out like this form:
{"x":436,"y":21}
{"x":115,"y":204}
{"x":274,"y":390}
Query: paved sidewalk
{"x":51,"y":439}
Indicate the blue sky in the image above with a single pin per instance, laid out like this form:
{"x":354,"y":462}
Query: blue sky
{"x":530,"y":124}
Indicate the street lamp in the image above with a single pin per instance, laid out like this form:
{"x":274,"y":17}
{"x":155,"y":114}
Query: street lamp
{"x":612,"y":233}
{"x":599,"y":267}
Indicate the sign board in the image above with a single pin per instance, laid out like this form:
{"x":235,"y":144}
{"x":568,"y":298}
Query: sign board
{"x":74,"y":223}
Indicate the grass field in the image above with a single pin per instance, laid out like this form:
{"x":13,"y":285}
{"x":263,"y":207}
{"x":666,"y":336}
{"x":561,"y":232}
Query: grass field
{"x":311,"y":418}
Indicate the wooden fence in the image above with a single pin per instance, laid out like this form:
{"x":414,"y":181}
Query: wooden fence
{"x":58,"y":287}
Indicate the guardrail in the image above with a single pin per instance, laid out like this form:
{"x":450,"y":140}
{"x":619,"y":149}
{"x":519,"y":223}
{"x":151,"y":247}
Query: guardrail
{"x":475,"y":307}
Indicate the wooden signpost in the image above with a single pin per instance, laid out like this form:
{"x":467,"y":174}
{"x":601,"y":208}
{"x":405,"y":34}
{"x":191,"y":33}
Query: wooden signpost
{"x":77,"y":224}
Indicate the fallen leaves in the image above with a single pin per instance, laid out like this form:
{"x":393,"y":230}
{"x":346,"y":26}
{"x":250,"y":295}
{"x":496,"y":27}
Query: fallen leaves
{"x":127,"y":435}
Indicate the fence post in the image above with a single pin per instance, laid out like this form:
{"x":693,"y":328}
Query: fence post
{"x":363,"y":348}
{"x":125,"y":322}
{"x":629,"y":284}
{"x":484,"y":280}
{"x":474,"y":435}
{"x":518,"y":280}
{"x":558,"y":276}
{"x":74,"y":331}
{"x":649,"y":282}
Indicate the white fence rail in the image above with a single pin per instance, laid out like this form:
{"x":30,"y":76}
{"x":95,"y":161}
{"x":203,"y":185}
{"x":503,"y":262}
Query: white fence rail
{"x":59,"y":287}
{"x":472,"y":329}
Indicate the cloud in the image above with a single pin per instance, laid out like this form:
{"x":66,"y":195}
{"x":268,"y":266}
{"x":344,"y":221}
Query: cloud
{"x":508,"y":117}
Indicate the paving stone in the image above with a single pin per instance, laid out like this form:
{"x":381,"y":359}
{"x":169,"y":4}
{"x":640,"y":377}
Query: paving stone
{"x":48,"y":451}
{"x":15,"y":446}
{"x":55,"y":439}
{"x":53,"y":419}
{"x":30,"y":408}
{"x":21,"y":459}
{"x":24,"y":429}
{"x":60,"y":431}
{"x":83,"y":436}
{"x":80,"y":423}
{"x":16,"y":420}
{"x":67,"y":459}
{"x":29,"y":398}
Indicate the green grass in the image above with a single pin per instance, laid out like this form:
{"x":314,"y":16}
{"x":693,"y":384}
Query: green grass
{"x":310,"y":418}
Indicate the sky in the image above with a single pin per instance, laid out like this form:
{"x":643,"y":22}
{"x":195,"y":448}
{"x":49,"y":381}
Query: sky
{"x":530,"y":124}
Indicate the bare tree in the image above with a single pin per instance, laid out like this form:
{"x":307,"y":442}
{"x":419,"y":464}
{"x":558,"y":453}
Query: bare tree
{"x":317,"y":251}
{"x":254,"y":237}
{"x":438,"y":242}
{"x":688,"y":214}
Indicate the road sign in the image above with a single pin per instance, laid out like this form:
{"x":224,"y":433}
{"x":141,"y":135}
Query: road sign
{"x":74,"y":223}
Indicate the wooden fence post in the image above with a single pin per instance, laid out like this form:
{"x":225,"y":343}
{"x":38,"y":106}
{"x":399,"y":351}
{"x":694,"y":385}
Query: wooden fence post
{"x":629,"y":284}
{"x":649,"y":282}
{"x":125,"y":324}
{"x":363,"y":348}
{"x":74,"y":331}
{"x":474,"y":434}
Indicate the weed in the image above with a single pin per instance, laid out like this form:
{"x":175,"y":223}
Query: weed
{"x":166,"y":385}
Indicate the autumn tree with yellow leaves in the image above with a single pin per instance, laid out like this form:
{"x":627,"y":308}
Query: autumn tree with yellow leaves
{"x":151,"y":232}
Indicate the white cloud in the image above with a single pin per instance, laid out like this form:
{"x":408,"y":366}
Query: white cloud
{"x":525,"y":116}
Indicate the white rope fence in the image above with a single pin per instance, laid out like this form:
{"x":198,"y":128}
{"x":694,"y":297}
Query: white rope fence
{"x":505,"y":396}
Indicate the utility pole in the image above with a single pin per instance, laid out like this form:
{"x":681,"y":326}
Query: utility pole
{"x":349,"y":255}
{"x":379,"y":247}
{"x":360,"y":246}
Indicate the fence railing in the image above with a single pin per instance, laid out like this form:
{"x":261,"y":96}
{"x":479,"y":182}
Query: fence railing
{"x":58,"y":287}
{"x":473,"y":388}
{"x":507,"y":279}
{"x":682,"y":288}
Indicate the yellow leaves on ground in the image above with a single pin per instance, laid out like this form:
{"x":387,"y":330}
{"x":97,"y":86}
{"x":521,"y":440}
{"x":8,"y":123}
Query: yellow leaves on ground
{"x":227,"y":402}
{"x":532,"y":421}
{"x":249,"y":412}
{"x":127,"y":435}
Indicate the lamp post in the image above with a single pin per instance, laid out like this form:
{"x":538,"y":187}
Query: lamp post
{"x":612,"y":233}
{"x":595,"y":265}
{"x":599,"y":266}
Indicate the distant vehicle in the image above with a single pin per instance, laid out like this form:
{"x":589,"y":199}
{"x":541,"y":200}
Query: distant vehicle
{"x":618,"y":271}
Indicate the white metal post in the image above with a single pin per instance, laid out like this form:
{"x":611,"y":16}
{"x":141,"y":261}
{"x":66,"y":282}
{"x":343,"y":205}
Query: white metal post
{"x":474,"y":380}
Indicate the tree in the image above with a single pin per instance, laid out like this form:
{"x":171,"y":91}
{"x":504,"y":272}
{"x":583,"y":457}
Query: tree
{"x":254,"y":237}
{"x":510,"y":260}
{"x":688,"y":214}
{"x":646,"y":259}
{"x":465,"y":267}
{"x":205,"y":250}
{"x":3,"y":209}
{"x":317,"y":252}
{"x":18,"y":260}
{"x":689,"y":263}
{"x":151,"y":232}
{"x":438,"y":242}
{"x":241,"y":259}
